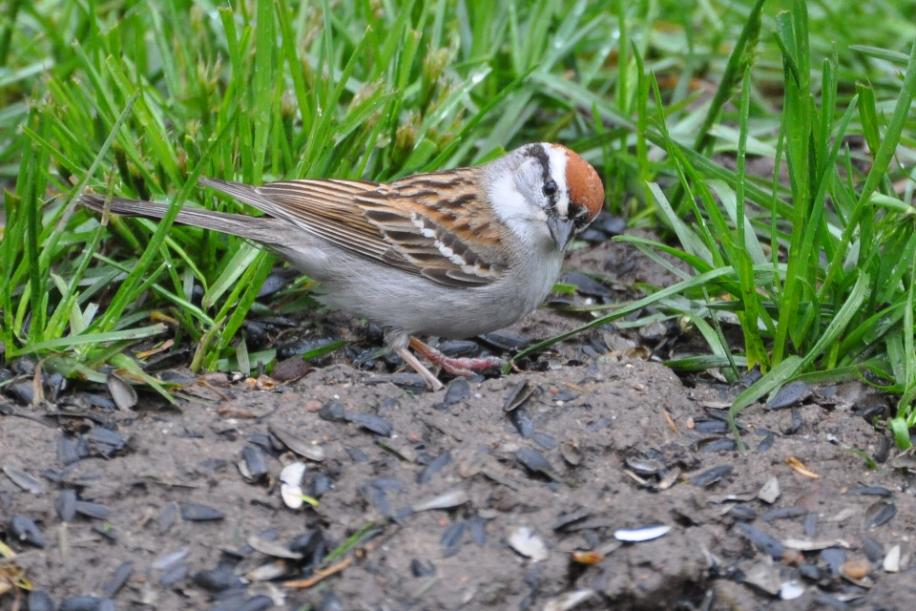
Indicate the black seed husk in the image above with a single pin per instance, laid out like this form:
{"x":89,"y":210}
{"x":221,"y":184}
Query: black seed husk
{"x":196,"y":512}
{"x":711,"y":476}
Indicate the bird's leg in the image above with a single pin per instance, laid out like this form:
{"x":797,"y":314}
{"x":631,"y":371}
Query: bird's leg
{"x":425,"y":373}
{"x":454,"y":366}
{"x":397,"y":341}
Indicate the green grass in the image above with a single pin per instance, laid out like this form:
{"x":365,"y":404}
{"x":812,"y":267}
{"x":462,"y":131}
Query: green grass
{"x":732,"y":129}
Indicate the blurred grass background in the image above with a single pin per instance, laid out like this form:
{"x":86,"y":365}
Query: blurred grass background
{"x":770,"y":145}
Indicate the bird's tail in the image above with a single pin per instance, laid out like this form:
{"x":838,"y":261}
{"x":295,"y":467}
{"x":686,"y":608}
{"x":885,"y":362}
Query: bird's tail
{"x":261,"y":229}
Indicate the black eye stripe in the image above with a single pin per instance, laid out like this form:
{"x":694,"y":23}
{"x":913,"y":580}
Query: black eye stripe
{"x":540,"y":153}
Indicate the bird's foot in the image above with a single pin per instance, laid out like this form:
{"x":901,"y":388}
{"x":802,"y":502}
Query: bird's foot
{"x":455,"y":366}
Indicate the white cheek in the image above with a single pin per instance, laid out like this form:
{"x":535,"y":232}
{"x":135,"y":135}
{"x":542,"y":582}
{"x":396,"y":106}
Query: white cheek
{"x":526,"y":220}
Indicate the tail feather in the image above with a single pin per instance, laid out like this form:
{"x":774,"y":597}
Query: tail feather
{"x":260,"y":229}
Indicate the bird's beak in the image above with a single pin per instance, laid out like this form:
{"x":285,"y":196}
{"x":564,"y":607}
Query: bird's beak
{"x":561,"y":230}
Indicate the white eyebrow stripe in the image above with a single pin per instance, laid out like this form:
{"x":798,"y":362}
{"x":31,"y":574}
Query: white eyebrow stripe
{"x":557,"y":159}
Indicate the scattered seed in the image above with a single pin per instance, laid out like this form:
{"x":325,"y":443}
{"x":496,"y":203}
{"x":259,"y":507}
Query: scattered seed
{"x":39,"y":600}
{"x":422,"y":568}
{"x":643,"y":533}
{"x":436,"y":465}
{"x":795,"y":425}
{"x":447,"y":500}
{"x":451,"y":538}
{"x":196,"y":512}
{"x":526,"y":543}
{"x":880,"y":514}
{"x":743,"y":513}
{"x":65,"y":504}
{"x":24,"y":480}
{"x":123,"y":394}
{"x":809,"y":545}
{"x":809,"y":526}
{"x":105,"y":442}
{"x":168,"y":561}
{"x":585,"y":284}
{"x":791,"y":394}
{"x":545,"y":440}
{"x":174,"y":575}
{"x":23,"y":391}
{"x":253,"y":465}
{"x":569,"y":600}
{"x":711,"y":476}
{"x":709,"y":426}
{"x":458,"y":390}
{"x":719,"y":445}
{"x":96,"y":511}
{"x":298,"y":445}
{"x":764,"y":542}
{"x":24,"y":530}
{"x":565,"y":520}
{"x":167,"y":516}
{"x":644,"y":466}
{"x":833,"y":557}
{"x":517,"y":396}
{"x":872,"y":491}
{"x":810,"y":572}
{"x":891,"y":562}
{"x":268,"y":571}
{"x":477,"y":526}
{"x":505,"y":340}
{"x":312,"y":545}
{"x":217,"y":580}
{"x":319,"y":484}
{"x":456,"y":348}
{"x":873,"y":549}
{"x":571,"y":453}
{"x":522,"y":421}
{"x":118,"y":579}
{"x":333,"y":411}
{"x":535,"y":462}
{"x":86,"y":603}
{"x":766,"y":443}
{"x":272,"y":548}
{"x":783,"y":513}
{"x":71,"y":449}
{"x":373,"y":424}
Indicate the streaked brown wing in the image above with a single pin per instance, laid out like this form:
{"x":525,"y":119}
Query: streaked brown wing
{"x":422,"y":224}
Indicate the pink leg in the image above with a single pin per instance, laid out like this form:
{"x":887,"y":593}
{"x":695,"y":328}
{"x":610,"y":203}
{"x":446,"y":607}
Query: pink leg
{"x":454,"y":366}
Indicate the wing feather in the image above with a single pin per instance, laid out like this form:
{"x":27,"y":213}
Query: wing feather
{"x":412,"y":224}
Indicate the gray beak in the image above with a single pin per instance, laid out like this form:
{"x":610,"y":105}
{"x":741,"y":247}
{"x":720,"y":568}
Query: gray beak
{"x":561,"y":230}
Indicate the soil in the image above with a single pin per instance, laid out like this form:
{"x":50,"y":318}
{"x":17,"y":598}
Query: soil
{"x":533,"y":479}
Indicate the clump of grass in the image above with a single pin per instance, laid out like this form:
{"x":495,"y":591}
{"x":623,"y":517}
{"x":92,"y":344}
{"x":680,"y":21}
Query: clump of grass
{"x":142,"y":99}
{"x":817,"y":264}
{"x":814,"y":261}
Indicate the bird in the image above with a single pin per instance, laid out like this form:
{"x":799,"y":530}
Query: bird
{"x":448,"y":254}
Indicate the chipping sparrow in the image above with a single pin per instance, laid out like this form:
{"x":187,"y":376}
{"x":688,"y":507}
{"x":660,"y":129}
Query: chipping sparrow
{"x":449,"y":254}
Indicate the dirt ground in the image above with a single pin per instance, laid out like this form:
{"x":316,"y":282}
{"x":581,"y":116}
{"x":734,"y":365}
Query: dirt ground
{"x":595,"y":479}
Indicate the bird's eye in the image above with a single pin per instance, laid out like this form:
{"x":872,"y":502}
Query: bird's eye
{"x":580,"y":217}
{"x":550,"y":188}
